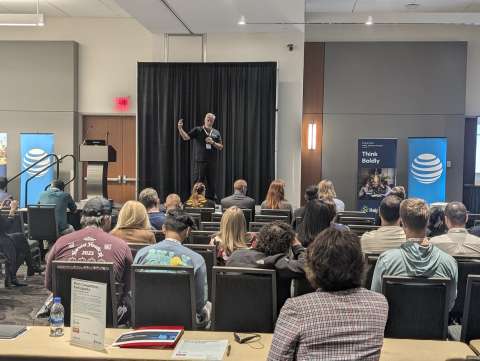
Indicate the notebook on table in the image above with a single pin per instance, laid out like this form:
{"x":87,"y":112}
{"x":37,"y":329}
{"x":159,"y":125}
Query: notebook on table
{"x":9,"y":332}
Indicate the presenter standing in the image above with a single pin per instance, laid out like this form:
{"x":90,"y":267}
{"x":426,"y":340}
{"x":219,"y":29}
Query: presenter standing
{"x":207,"y":143}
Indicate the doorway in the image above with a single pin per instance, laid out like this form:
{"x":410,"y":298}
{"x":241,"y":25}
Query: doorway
{"x":120,"y":133}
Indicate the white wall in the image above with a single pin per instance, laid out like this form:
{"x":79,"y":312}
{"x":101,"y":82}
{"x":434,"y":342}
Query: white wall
{"x":471,"y":34}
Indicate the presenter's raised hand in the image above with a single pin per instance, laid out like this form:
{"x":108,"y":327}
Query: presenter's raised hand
{"x":180,"y":124}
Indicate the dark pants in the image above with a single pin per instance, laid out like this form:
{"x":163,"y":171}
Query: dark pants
{"x":206,"y":172}
{"x":16,"y":250}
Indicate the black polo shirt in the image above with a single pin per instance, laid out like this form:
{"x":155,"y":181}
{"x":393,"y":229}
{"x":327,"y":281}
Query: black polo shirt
{"x":202,"y":152}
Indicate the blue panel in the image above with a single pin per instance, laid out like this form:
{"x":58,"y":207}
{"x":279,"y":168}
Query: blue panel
{"x":34,"y":147}
{"x":427,"y":173}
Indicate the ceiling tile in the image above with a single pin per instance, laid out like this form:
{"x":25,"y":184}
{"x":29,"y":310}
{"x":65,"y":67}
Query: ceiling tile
{"x":329,"y":6}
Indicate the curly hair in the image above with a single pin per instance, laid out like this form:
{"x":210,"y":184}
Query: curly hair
{"x":335,"y":261}
{"x":274,"y":238}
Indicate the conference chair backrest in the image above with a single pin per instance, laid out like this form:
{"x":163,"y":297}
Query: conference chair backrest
{"x":360,"y":229}
{"x":356,"y":220}
{"x":466,"y":266}
{"x":298,"y":223}
{"x":471,"y":313}
{"x":209,"y":254}
{"x":301,"y":286}
{"x":371,"y":262}
{"x":351,"y":214}
{"x":256,"y":226}
{"x":417,"y":307}
{"x":210,"y":226}
{"x":64,"y":271}
{"x":267,"y":218}
{"x":197,"y":217}
{"x":206,"y":213}
{"x":217,"y":217}
{"x":244,"y":299}
{"x":135,"y":247}
{"x":200,"y":237}
{"x":16,"y":224}
{"x":159,"y":236}
{"x":42,"y":222}
{"x":163,"y":295}
{"x":278,"y":212}
{"x":248,"y":213}
{"x":473,"y":219}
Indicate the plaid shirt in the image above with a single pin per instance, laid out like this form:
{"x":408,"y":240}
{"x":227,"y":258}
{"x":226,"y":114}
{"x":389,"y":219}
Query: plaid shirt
{"x":344,"y":325}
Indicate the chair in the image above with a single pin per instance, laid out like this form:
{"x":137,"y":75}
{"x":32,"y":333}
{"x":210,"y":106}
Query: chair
{"x":371,"y":261}
{"x":256,"y":226}
{"x":360,"y":229}
{"x":417,"y":307}
{"x":159,"y":235}
{"x":244,"y":299}
{"x":16,"y":225}
{"x":200,"y":237}
{"x":135,"y":247}
{"x":163,"y":295}
{"x":356,"y":220}
{"x":301,"y":286}
{"x":298,"y":222}
{"x":210,"y":226}
{"x":42,"y":222}
{"x":278,"y":212}
{"x":471,"y":311}
{"x":209,"y":254}
{"x":205,"y":213}
{"x":197,"y":217}
{"x":466,"y":267}
{"x":64,"y":271}
{"x":270,"y":218}
{"x":248,"y":215}
{"x":351,"y":214}
{"x":217,"y":217}
{"x":473,"y":219}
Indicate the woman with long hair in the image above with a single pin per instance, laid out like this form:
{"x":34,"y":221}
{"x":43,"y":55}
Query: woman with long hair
{"x":327,"y":190}
{"x":276,"y":196}
{"x":232,"y":235}
{"x":133,"y":225}
{"x":197,"y":198}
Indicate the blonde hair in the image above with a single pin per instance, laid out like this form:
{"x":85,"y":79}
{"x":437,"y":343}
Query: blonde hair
{"x":197,"y":199}
{"x":326,"y":189}
{"x":233,"y":228}
{"x":133,"y":215}
{"x":173,"y":201}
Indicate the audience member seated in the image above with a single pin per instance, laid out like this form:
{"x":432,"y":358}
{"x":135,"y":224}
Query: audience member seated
{"x":4,"y":195}
{"x":319,"y":215}
{"x":341,"y":320}
{"x":239,"y":197}
{"x":457,"y":241}
{"x":276,"y":197}
{"x":398,"y":191}
{"x":390,"y":234}
{"x":311,"y":193}
{"x":173,"y":202}
{"x":436,"y":222}
{"x":149,"y":198}
{"x":327,"y":190}
{"x":171,"y":252}
{"x":271,"y":250}
{"x":197,"y":199}
{"x":62,"y":201}
{"x":417,"y":257}
{"x":93,"y":243}
{"x":232,"y":236}
{"x":133,"y":225}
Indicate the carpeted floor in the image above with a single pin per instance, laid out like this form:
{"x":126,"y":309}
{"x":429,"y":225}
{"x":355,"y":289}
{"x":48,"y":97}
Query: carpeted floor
{"x":19,"y":305}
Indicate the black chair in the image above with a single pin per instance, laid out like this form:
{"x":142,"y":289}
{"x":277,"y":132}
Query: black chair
{"x":351,"y":214}
{"x":371,"y":262}
{"x":298,"y":222}
{"x":163,"y":295}
{"x":473,"y":219}
{"x":205,"y":213}
{"x":256,"y":226}
{"x":42,"y":222}
{"x":159,"y":235}
{"x":209,"y":254}
{"x":217,"y":217}
{"x":466,"y":267}
{"x":210,"y":226}
{"x":200,"y":237}
{"x":278,"y":212}
{"x":64,"y":271}
{"x":16,"y":222}
{"x":197,"y":217}
{"x":356,"y":221}
{"x":248,"y":215}
{"x":360,"y":229}
{"x":135,"y":247}
{"x":471,"y":311}
{"x":417,"y":307}
{"x":270,"y":218}
{"x":301,"y":286}
{"x":244,"y":299}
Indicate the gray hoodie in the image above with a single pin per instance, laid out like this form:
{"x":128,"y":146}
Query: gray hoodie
{"x":413,"y":260}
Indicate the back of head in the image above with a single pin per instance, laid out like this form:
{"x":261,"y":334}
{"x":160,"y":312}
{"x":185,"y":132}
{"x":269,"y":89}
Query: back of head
{"x":275,"y":238}
{"x":233,"y":228}
{"x":240,"y":185}
{"x":177,"y":221}
{"x":58,"y":183}
{"x":275,"y":194}
{"x":436,"y":222}
{"x":133,"y":215}
{"x":414,"y":214}
{"x":456,"y":213}
{"x":3,"y":183}
{"x":96,"y":212}
{"x":198,"y":194}
{"x":173,"y":201}
{"x":326,"y":189}
{"x":335,"y":261}
{"x":149,"y":198}
{"x":319,"y":214}
{"x":311,"y":193}
{"x":398,"y":191}
{"x":390,"y":209}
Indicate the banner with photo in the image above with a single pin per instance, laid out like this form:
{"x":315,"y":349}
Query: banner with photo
{"x":427,"y":176}
{"x":377,"y":171}
{"x":33,"y":148}
{"x":3,"y":154}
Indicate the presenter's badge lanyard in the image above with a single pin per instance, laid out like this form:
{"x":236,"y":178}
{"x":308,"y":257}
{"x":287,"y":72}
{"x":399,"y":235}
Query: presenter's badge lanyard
{"x":209,"y":146}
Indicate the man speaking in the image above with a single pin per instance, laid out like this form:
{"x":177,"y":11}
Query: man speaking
{"x":207,"y":141}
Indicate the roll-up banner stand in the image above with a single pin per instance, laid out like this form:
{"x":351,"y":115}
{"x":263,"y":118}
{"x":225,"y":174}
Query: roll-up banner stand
{"x":427,"y":176}
{"x":34,"y":147}
{"x":3,"y":154}
{"x":377,"y":171}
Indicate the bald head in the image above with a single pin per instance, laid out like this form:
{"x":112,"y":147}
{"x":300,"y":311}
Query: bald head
{"x":456,"y":215}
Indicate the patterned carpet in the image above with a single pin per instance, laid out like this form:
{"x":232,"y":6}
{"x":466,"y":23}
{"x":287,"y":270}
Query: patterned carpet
{"x":19,"y":305}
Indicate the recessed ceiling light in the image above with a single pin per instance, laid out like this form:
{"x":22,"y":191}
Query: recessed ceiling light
{"x":242,"y":21}
{"x":369,"y":21}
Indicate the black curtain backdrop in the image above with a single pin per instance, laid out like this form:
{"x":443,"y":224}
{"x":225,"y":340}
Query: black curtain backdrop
{"x":243,"y":98}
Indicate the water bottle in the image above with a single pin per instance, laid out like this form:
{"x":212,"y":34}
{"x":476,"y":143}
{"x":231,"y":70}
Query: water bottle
{"x":56,"y":318}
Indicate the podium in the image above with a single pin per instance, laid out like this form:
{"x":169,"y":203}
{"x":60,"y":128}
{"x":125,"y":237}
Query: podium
{"x":97,"y":155}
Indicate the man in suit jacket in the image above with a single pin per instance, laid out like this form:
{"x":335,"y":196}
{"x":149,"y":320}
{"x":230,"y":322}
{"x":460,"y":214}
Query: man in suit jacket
{"x":239,"y":197}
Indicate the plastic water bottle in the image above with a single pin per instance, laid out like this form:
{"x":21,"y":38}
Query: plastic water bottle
{"x":56,"y":318}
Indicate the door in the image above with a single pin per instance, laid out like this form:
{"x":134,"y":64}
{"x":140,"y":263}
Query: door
{"x":120,"y":133}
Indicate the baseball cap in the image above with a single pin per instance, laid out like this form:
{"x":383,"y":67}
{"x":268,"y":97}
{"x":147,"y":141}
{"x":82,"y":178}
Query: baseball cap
{"x":97,"y":206}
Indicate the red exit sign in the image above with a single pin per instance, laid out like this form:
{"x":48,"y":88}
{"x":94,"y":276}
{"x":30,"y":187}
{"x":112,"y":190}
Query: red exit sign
{"x":122,"y":104}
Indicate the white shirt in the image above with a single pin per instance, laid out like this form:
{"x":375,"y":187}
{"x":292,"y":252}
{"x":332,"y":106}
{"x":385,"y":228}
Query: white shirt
{"x":458,"y":242}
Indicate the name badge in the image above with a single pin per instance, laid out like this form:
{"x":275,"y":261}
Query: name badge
{"x":209,"y":146}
